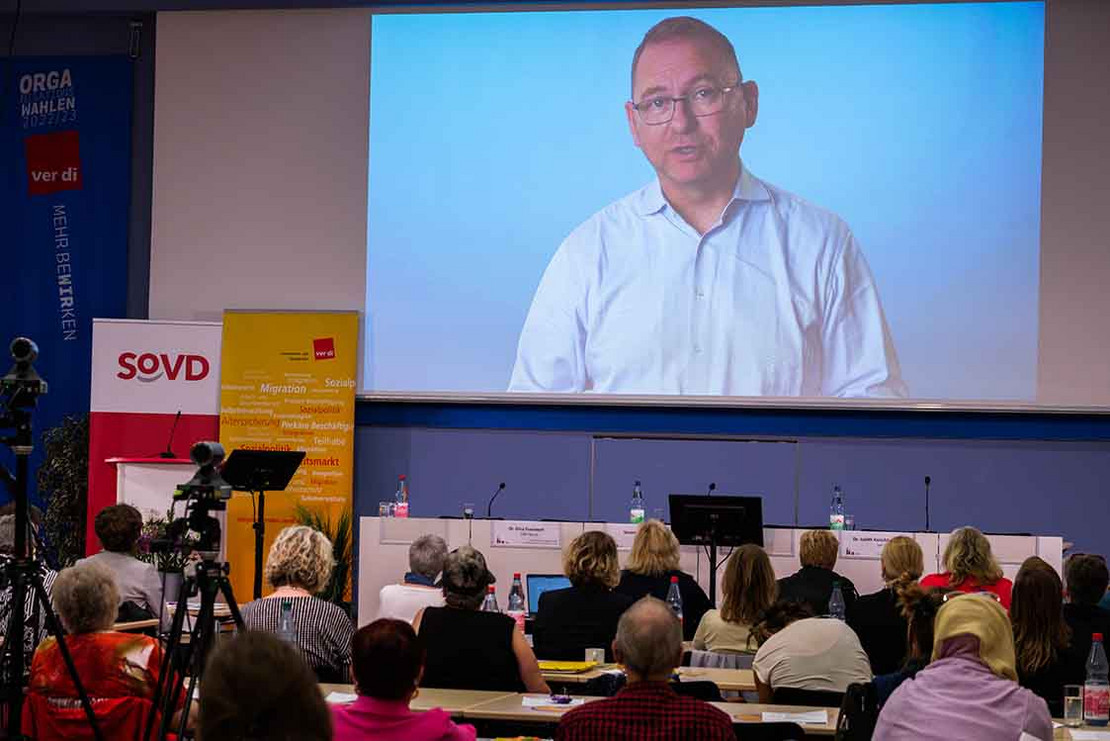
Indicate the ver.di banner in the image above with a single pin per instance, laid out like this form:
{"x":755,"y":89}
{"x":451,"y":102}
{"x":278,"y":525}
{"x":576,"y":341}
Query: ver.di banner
{"x":65,"y":188}
{"x":287,"y":382}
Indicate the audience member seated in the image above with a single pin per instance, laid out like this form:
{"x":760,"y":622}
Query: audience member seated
{"x":919,"y":609}
{"x":877,"y":618}
{"x":585,"y":614}
{"x":969,"y":566}
{"x":747,"y":590}
{"x":401,"y":601}
{"x":388,"y":664}
{"x":1086,"y":578}
{"x":118,"y":528}
{"x":469,"y":649}
{"x":813,"y":583}
{"x":1041,"y":637}
{"x":119,"y":670}
{"x":649,"y":646}
{"x":800,"y":652}
{"x":299,"y":566}
{"x":35,"y":620}
{"x":257,"y":686}
{"x":651,"y":564}
{"x":969,"y":690}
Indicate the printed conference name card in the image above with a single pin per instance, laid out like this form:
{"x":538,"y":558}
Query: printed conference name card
{"x":510,"y":534}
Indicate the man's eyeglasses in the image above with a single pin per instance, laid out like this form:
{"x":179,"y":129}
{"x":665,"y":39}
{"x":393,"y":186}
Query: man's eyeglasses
{"x":655,"y":110}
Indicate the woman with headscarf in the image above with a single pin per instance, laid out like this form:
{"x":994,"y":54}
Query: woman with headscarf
{"x":969,"y":689}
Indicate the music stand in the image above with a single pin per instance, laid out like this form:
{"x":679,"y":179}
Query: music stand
{"x":260,"y":471}
{"x":712,"y":521}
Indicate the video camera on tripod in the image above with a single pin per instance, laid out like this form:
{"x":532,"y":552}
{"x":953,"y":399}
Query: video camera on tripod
{"x":203,"y":494}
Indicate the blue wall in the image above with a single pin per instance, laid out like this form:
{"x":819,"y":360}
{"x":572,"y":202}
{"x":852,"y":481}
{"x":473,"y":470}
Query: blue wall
{"x":1043,"y":473}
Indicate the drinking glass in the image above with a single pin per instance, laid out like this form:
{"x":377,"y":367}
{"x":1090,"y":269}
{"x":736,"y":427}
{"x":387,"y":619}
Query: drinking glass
{"x":849,"y":521}
{"x":1073,"y":705}
{"x":468,"y":510}
{"x":383,"y":509}
{"x":595,"y":654}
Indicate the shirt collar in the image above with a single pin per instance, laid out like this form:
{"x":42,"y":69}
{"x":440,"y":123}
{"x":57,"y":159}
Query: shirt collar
{"x":748,"y":188}
{"x":367,"y":704}
{"x":647,"y":688}
{"x":412,"y":578}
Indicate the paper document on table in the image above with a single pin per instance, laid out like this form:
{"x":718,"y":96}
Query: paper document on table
{"x":1078,"y":735}
{"x":340,"y":698}
{"x":543,"y":701}
{"x":813,"y":717}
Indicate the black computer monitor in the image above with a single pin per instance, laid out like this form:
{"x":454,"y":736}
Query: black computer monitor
{"x":697,"y":519}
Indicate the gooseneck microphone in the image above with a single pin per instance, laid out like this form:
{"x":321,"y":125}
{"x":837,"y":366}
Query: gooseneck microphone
{"x":928,"y":480}
{"x":489,"y":507}
{"x":712,"y":488}
{"x":168,"y":452}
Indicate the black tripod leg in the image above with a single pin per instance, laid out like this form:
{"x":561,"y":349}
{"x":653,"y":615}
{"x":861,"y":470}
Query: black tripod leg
{"x":164,"y":699}
{"x":55,"y":629}
{"x":203,"y":637}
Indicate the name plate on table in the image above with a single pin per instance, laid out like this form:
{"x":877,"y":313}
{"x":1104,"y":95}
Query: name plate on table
{"x":526,"y":534}
{"x":858,"y":544}
{"x":623,"y":533}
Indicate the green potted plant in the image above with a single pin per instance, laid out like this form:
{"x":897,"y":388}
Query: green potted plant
{"x":340,"y":536}
{"x":63,"y":483}
{"x":156,"y":546}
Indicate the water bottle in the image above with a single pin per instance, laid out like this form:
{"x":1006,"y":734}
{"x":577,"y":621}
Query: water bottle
{"x":636,"y":508}
{"x":286,"y":630}
{"x":836,"y":510}
{"x":1096,"y":691}
{"x":674,"y":598}
{"x":489,"y":604}
{"x":517,"y":607}
{"x":401,"y":498}
{"x":836,"y":602}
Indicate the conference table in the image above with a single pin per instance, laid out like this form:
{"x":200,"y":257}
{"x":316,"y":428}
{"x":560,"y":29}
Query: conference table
{"x":736,"y":680}
{"x":1085,"y":732}
{"x":485,"y":705}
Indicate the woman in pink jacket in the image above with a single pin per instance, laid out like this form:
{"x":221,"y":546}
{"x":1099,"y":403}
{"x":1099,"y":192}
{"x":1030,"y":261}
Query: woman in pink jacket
{"x":388,"y":662}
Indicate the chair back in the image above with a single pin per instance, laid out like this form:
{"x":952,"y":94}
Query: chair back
{"x":63,"y":719}
{"x":769,"y":731}
{"x":859,"y":713}
{"x":817,"y":698}
{"x":707,"y":691}
{"x":719,"y":660}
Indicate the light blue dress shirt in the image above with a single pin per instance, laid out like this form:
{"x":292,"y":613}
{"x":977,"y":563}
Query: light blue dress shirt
{"x":776,"y":299}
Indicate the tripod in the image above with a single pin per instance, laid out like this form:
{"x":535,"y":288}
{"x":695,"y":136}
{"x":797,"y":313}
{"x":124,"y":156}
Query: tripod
{"x":208,"y":580}
{"x":19,"y":392}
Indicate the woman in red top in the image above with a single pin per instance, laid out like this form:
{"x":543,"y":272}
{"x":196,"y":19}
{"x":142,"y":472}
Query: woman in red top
{"x":970,"y":567}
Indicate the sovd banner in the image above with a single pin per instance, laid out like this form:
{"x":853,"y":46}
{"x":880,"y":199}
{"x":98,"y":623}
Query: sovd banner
{"x":287,"y":382}
{"x":65,"y":186}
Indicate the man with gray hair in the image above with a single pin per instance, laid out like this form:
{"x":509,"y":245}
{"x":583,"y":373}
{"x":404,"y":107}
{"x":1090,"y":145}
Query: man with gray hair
{"x":418,"y":589}
{"x":649,"y":647}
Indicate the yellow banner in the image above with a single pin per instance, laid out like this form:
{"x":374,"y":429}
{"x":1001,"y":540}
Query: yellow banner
{"x":287,"y":382}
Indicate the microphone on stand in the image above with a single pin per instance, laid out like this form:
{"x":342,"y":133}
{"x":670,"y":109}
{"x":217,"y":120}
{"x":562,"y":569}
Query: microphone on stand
{"x":168,"y":452}
{"x":712,"y":488}
{"x":928,"y":481}
{"x":489,"y":507}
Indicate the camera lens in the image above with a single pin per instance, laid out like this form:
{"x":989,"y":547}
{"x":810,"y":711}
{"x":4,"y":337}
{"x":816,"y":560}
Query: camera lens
{"x":24,"y":350}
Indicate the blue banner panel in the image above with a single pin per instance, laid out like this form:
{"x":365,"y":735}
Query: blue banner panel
{"x":65,"y":139}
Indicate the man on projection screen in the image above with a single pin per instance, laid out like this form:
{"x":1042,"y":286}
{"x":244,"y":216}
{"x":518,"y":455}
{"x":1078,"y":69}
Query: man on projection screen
{"x":708,"y":280}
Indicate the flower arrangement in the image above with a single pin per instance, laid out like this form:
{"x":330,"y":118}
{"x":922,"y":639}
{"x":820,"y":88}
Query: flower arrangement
{"x":156,"y":545}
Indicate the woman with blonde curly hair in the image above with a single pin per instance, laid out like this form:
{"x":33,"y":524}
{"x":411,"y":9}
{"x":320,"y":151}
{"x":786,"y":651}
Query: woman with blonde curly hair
{"x":970,"y":567}
{"x":651,"y":566}
{"x":298,"y":567}
{"x":585,"y":614}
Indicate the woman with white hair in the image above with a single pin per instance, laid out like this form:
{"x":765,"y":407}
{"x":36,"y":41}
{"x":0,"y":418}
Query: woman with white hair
{"x":120,"y":670}
{"x":298,"y":567}
{"x":970,"y":566}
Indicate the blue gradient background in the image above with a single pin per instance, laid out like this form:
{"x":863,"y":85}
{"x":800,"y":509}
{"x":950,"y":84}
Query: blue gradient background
{"x":492,"y":135}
